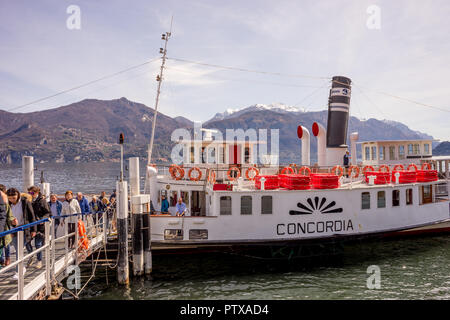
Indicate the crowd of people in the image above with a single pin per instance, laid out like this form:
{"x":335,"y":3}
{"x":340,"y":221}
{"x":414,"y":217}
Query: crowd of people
{"x":18,"y":209}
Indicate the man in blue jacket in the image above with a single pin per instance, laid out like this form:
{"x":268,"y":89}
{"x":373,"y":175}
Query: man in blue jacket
{"x":84,"y":203}
{"x":55,"y":207}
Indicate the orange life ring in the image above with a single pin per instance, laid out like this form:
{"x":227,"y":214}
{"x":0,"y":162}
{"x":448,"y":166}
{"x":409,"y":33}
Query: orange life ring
{"x":177,"y":172}
{"x":426,"y":164}
{"x":172,"y":169}
{"x":302,"y":169}
{"x":384,"y":167}
{"x":364,"y":170}
{"x":199,"y":174}
{"x":341,"y":171}
{"x":398,"y":166}
{"x":291,"y":171}
{"x":235,"y":169}
{"x":293,"y":166}
{"x":350,"y":170}
{"x":248,"y":171}
{"x":212,"y":177}
{"x":412,"y":165}
{"x":83,"y":241}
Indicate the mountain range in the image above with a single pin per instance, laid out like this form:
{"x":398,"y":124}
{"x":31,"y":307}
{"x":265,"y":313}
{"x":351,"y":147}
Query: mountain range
{"x":88,"y":130}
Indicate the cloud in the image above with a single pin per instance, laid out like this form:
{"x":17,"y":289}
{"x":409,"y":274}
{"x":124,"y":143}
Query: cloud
{"x":408,"y":56}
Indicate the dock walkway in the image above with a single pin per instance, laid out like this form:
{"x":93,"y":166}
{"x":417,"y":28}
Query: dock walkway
{"x":58,"y":259}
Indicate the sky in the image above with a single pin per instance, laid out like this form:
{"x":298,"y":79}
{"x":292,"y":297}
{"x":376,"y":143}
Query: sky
{"x":388,"y":48}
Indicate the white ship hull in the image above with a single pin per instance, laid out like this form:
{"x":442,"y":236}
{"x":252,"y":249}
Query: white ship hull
{"x":305,"y":215}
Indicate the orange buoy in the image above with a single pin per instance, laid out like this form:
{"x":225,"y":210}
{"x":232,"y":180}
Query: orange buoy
{"x":426,"y":164}
{"x":384,"y":167}
{"x":412,"y":165}
{"x":364,"y":170}
{"x":356,"y":169}
{"x":199,"y":176}
{"x":293,"y":166}
{"x":212,"y":177}
{"x":341,"y":170}
{"x":398,"y":166}
{"x":233,"y":169}
{"x":83,"y":242}
{"x":291,"y":171}
{"x":253,"y":169}
{"x":304,"y":169}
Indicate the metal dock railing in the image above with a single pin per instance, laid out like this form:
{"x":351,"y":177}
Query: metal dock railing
{"x":58,"y":259}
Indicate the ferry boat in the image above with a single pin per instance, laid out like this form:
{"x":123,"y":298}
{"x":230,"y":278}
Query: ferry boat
{"x":232,"y":201}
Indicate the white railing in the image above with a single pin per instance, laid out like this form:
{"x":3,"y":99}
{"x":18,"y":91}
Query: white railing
{"x":54,"y":264}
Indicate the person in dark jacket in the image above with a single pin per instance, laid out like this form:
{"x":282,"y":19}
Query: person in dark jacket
{"x":96,"y":206}
{"x":84,"y":203}
{"x":41,"y":211}
{"x":164,"y":205}
{"x":3,"y":202}
{"x":22,"y":210}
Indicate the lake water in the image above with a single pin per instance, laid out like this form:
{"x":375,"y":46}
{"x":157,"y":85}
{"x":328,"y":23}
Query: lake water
{"x":415,"y":268}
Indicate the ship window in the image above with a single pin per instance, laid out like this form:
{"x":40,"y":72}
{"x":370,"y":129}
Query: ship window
{"x":374,"y":153}
{"x":395,"y":198}
{"x":225,"y":205}
{"x":367,"y":153}
{"x":192,"y":155}
{"x":416,"y":149}
{"x":409,"y":196}
{"x":381,"y":197}
{"x":246,"y":205}
{"x":203,"y":154}
{"x":247,"y":155}
{"x":426,"y":148}
{"x":381,"y":153}
{"x":173,"y":198}
{"x":266,"y":205}
{"x":401,"y":152}
{"x":211,"y":155}
{"x":173,"y":234}
{"x":185,"y":197}
{"x":392,"y":153}
{"x":365,"y":200}
{"x":198,"y":234}
{"x":410,"y":149}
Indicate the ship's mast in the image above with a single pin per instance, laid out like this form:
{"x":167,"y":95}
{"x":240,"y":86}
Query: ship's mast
{"x":159,"y":78}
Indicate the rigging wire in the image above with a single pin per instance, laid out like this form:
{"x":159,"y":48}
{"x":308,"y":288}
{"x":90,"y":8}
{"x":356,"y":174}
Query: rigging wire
{"x":248,"y":70}
{"x":243,"y":80}
{"x":371,"y":102}
{"x":138,"y":75}
{"x":311,"y":94}
{"x":83,"y":85}
{"x":408,"y":100}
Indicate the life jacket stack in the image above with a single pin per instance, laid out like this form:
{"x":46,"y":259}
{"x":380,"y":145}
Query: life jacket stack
{"x":271,"y":183}
{"x":294,"y":181}
{"x":324,"y":181}
{"x":380,"y":177}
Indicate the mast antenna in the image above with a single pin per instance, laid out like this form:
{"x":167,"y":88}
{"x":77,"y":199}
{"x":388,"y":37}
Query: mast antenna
{"x":159,"y":78}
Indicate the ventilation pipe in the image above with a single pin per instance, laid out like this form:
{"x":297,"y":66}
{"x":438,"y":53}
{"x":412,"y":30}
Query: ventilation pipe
{"x":354,"y":136}
{"x":320,"y":132}
{"x":303,"y":135}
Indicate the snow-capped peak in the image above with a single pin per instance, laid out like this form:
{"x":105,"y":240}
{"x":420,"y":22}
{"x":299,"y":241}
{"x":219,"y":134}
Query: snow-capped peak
{"x":275,"y":107}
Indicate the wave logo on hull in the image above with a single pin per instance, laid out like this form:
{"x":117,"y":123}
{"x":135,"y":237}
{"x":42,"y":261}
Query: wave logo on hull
{"x":316,"y":204}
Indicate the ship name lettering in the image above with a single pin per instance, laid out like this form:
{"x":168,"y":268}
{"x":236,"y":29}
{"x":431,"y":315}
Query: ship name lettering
{"x":314,"y":227}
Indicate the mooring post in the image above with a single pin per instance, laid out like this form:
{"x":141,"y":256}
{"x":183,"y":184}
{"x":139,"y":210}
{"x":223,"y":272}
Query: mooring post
{"x":136,"y":216}
{"x":146,"y":221}
{"x":27,"y":172}
{"x":122,"y":232}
